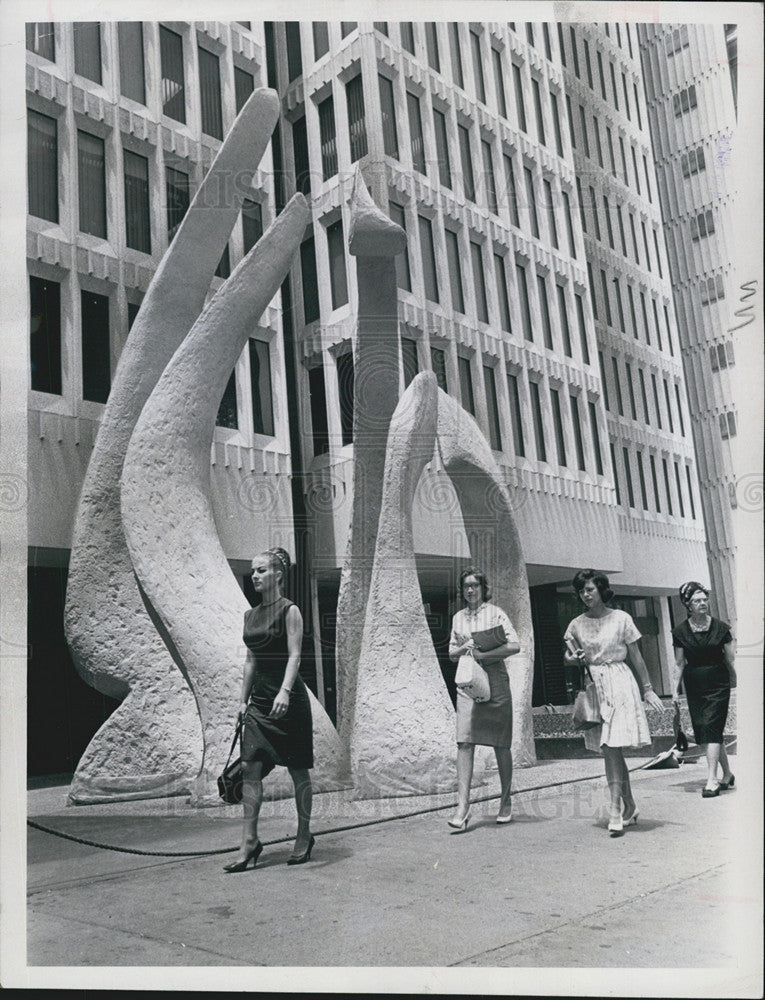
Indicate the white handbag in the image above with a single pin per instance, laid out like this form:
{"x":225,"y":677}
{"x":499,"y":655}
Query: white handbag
{"x":472,"y":678}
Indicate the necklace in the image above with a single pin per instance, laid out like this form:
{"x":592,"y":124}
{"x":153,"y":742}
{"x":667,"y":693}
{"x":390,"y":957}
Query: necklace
{"x":700,"y":626}
{"x":270,"y":603}
{"x":473,"y":612}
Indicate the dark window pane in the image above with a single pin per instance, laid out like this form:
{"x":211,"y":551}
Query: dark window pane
{"x":177,"y":187}
{"x":480,"y":87}
{"x":319,"y":420}
{"x":345,"y":387}
{"x":407,"y":36}
{"x":409,"y":359}
{"x":227,"y":411}
{"x":337,"y":275}
{"x":428,"y":259}
{"x":532,"y":201}
{"x":320,"y":48}
{"x":252,"y":223}
{"x":390,"y":137}
{"x":260,"y":383}
{"x":563,"y":316}
{"x":346,"y":27}
{"x":45,"y":335}
{"x":328,"y":139}
{"x":137,"y":219}
{"x":538,"y":111}
{"x":479,"y":282}
{"x":523,"y":293}
{"x":504,"y":303}
{"x":545,"y":311}
{"x":415,"y":131}
{"x":87,"y":49}
{"x":488,"y":174}
{"x":431,"y":44}
{"x":244,"y":84}
{"x":536,"y":413}
{"x":209,"y":89}
{"x":466,"y":159}
{"x":552,"y":227}
{"x":438,"y":364}
{"x":91,"y":177}
{"x":132,"y":80}
{"x":381,"y":26}
{"x":512,"y":195}
{"x":519,"y":102}
{"x":40,"y":38}
{"x":558,"y":424}
{"x":455,"y":270}
{"x":96,"y":369}
{"x":492,"y":406}
{"x":223,"y":270}
{"x":628,"y":477}
{"x":173,"y":87}
{"x":294,"y":54}
{"x":582,"y":328}
{"x":42,"y":166}
{"x":442,"y":149}
{"x":300,"y":152}
{"x":515,"y":415}
{"x":357,"y":126}
{"x":595,"y":438}
{"x":310,"y":281}
{"x":466,"y":385}
{"x":616,"y":474}
{"x":454,"y":48}
{"x":403,"y":274}
{"x":499,"y":83}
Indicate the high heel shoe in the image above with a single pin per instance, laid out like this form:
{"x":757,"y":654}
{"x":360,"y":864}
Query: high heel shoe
{"x":240,"y":866}
{"x":616,"y":826}
{"x":300,"y":859}
{"x":632,"y":821}
{"x":725,"y":785}
{"x":710,"y":793}
{"x":459,"y":827}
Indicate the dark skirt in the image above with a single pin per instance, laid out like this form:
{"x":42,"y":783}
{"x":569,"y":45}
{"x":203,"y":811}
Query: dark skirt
{"x":708,"y":691}
{"x":487,"y":723}
{"x":288,"y":741}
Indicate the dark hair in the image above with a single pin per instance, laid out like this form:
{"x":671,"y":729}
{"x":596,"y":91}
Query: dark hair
{"x":599,"y":579}
{"x":481,"y":577}
{"x":688,"y":590}
{"x":280,"y":558}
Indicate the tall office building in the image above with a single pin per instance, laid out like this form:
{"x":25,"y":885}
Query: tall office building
{"x":690,"y":81}
{"x":517,"y":158}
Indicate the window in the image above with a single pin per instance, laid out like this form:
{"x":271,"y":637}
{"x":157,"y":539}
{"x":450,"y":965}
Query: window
{"x":177,"y":191}
{"x":712,"y":289}
{"x":132,"y":310}
{"x":560,"y":43}
{"x":550,"y":213}
{"x":545,"y":311}
{"x":676,"y":40}
{"x":499,"y":83}
{"x":532,"y":201}
{"x":702,"y":225}
{"x":173,"y":86}
{"x":669,"y":408}
{"x":403,"y":274}
{"x":515,"y":415}
{"x":631,"y":389}
{"x":582,"y":216}
{"x":635,"y":169}
{"x":519,"y":104}
{"x":626,"y":97}
{"x":40,"y":39}
{"x":336,"y":253}
{"x":578,"y":443}
{"x":409,"y":359}
{"x":294,"y":53}
{"x":690,"y":491}
{"x":656,"y":401}
{"x":641,"y":475}
{"x":252,"y":223}
{"x":87,"y":49}
{"x":523,"y":292}
{"x":647,"y":179}
{"x":407,"y":36}
{"x":588,"y":64}
{"x":442,"y":149}
{"x":595,"y":216}
{"x":629,"y":37}
{"x":512,"y":194}
{"x":569,"y":223}
{"x":430,"y":276}
{"x":637,"y":106}
{"x":357,"y":126}
{"x":563,"y":316}
{"x":556,"y":124}
{"x":530,"y":33}
{"x":618,"y":386}
{"x":137,"y":219}
{"x":546,"y":35}
{"x":601,"y":76}
{"x":42,"y":166}
{"x":538,"y":110}
{"x":727,"y":425}
{"x":382,"y":27}
{"x":644,"y":397}
{"x":655,"y":483}
{"x":223,"y":270}
{"x":318,"y":399}
{"x":488,"y":176}
{"x":327,"y":138}
{"x":345,"y":381}
{"x":431,"y":46}
{"x":585,"y":137}
{"x":415,"y":131}
{"x":574,"y":52}
{"x":624,"y":160}
{"x":634,"y":239}
{"x":598,"y":144}
{"x":466,"y":159}
{"x":438,"y":364}
{"x":558,"y":424}
{"x":571,"y":132}
{"x":300,"y":154}
{"x":684,"y":101}
{"x":656,"y":246}
{"x":613,"y":85}
{"x":244,"y":84}
{"x":492,"y":407}
{"x":91,"y":183}
{"x":270,"y":46}
{"x":619,"y":304}
{"x":607,"y":213}
{"x":454,"y":48}
{"x":45,"y":335}
{"x":582,"y":329}
{"x":593,"y":297}
{"x":611,"y":150}
{"x":616,"y":474}
{"x":628,"y":477}
{"x":666,"y":487}
{"x":646,"y":328}
{"x":455,"y":271}
{"x":502,"y":294}
{"x":320,"y":48}
{"x":390,"y":138}
{"x":645,"y":247}
{"x":693,"y":162}
{"x":603,"y":382}
{"x":310,"y":281}
{"x":132,"y":79}
{"x":227,"y":410}
{"x":656,"y":321}
{"x":475,"y":47}
{"x":633,"y":317}
{"x":346,"y":27}
{"x":536,"y":413}
{"x":606,"y":299}
{"x":479,"y":282}
{"x":466,"y":385}
{"x":96,"y":367}
{"x":680,"y":411}
{"x":595,"y":438}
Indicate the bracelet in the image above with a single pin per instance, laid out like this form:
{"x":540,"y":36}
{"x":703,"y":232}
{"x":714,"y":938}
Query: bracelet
{"x":647,"y":687}
{"x":288,"y":690}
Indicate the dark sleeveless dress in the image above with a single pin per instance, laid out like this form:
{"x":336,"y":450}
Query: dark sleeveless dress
{"x":706,"y":677}
{"x":287,"y":741}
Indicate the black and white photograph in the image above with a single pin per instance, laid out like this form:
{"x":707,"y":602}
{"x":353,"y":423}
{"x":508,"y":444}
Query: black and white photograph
{"x":381,"y":487}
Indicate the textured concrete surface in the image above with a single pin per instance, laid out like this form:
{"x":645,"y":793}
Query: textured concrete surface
{"x":152,"y":743}
{"x":551,"y":889}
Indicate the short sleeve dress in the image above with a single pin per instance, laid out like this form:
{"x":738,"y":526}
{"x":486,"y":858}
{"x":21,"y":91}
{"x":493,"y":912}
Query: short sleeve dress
{"x":706,"y":677}
{"x":287,"y":741}
{"x":486,"y":723}
{"x":604,"y":641}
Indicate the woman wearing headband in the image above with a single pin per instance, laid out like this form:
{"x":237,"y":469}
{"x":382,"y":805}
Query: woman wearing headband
{"x":275,"y":707}
{"x":704,"y":658}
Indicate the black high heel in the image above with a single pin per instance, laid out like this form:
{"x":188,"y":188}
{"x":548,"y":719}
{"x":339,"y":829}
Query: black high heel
{"x":725,"y":785}
{"x":240,"y":866}
{"x":300,"y":859}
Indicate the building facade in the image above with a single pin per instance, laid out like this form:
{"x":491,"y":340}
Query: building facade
{"x":536,"y":285}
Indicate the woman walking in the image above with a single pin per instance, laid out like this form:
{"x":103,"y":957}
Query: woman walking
{"x":275,"y":709}
{"x":488,"y":723}
{"x":603,"y":639}
{"x":704,"y":657}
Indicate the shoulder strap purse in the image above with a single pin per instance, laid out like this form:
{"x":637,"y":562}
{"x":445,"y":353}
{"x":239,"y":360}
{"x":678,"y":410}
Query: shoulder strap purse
{"x":230,"y":780}
{"x":586,"y":713}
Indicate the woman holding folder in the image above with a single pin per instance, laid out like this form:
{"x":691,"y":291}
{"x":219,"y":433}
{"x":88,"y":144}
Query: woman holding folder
{"x":483,"y":631}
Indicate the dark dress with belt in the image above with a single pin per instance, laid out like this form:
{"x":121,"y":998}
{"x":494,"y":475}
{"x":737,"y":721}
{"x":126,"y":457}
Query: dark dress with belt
{"x":706,"y":677}
{"x":287,"y":741}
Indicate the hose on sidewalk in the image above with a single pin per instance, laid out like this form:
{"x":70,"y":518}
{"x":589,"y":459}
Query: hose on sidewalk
{"x":335,"y":829}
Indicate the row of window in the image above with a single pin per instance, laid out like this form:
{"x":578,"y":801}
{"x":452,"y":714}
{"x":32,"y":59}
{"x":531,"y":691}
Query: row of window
{"x":721,"y":356}
{"x":46,"y":348}
{"x":693,"y":162}
{"x":654,"y":472}
{"x":574,"y":52}
{"x":702,"y":225}
{"x":43,"y":195}
{"x":601,"y":308}
{"x":712,"y":289}
{"x":606,"y":233}
{"x":580,"y":139}
{"x":650,"y":415}
{"x":676,"y":40}
{"x":88,"y":62}
{"x":684,"y":101}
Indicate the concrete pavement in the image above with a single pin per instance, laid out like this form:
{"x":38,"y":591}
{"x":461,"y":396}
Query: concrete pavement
{"x":550,"y":889}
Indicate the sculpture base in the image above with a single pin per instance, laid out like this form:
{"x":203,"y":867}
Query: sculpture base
{"x":95,"y":791}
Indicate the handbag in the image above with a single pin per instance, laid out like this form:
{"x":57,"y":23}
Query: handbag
{"x":586,"y":714}
{"x":489,"y":638}
{"x":472,"y":678}
{"x":230,"y":780}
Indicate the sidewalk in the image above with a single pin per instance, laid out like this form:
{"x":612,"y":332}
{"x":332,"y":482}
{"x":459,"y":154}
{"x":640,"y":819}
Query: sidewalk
{"x":550,"y":889}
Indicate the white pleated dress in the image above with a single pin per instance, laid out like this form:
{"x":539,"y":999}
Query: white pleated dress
{"x":604,"y":641}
